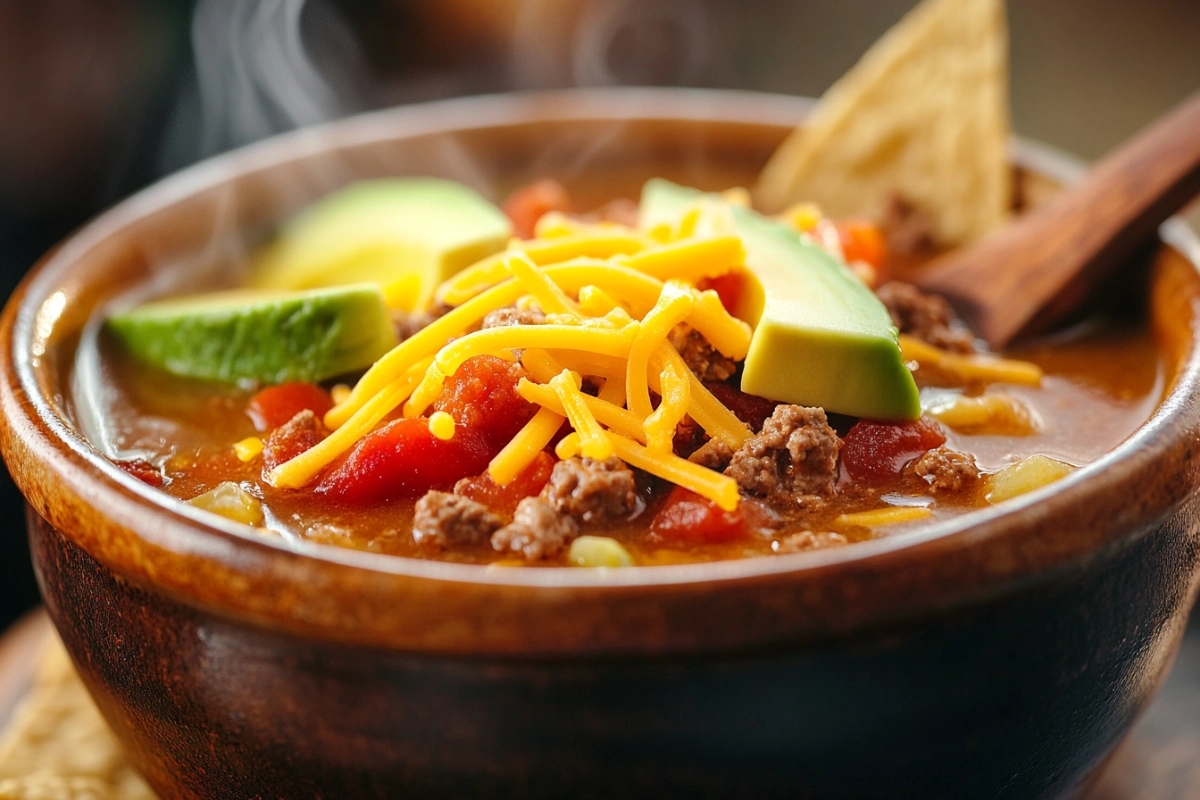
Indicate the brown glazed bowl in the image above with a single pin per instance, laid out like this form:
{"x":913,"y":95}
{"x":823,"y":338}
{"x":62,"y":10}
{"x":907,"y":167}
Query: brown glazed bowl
{"x":1004,"y":654}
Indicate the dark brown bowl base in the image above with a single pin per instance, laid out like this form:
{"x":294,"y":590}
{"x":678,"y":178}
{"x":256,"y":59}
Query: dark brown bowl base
{"x":1019,"y":696}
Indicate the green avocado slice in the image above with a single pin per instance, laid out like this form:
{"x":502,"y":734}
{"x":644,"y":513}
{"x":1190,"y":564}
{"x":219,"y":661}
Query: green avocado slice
{"x":406,"y":234}
{"x":821,"y":337}
{"x":262,"y":336}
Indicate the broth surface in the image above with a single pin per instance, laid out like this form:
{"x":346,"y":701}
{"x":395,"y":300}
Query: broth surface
{"x":1101,"y":384}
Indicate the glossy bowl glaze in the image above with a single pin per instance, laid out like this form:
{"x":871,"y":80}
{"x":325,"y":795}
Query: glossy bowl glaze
{"x":999,"y":655}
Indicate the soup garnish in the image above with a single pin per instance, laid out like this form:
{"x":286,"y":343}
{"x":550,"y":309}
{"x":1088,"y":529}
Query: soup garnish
{"x":590,"y":396}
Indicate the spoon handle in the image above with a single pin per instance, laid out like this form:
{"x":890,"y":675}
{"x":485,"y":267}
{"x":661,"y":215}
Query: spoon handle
{"x":1042,"y":265}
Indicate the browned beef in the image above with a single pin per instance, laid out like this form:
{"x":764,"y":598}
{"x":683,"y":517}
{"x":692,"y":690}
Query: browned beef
{"x":407,"y":323}
{"x":926,"y":316}
{"x":808,"y":540}
{"x":289,"y":440}
{"x":442,"y":520}
{"x":793,"y":461}
{"x":503,"y":317}
{"x":907,"y":227}
{"x":947,"y":471}
{"x":689,"y":436}
{"x":537,"y":531}
{"x":713,"y":454}
{"x":592,"y":491}
{"x":700,"y":356}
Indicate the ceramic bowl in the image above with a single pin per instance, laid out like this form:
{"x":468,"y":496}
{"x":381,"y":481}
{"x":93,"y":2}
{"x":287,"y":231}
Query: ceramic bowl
{"x":1002,"y":654}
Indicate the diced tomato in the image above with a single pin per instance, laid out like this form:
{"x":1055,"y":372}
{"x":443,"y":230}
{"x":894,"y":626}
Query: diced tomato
{"x":482,"y":397}
{"x":864,"y":241}
{"x":275,"y":405}
{"x":526,"y":205}
{"x":143,"y":470}
{"x":688,"y":517}
{"x":749,"y":408}
{"x":875,"y":451}
{"x":290,"y":440}
{"x":504,"y":499}
{"x":403,"y":460}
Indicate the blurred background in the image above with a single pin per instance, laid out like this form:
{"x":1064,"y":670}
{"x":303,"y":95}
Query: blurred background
{"x":100,"y":97}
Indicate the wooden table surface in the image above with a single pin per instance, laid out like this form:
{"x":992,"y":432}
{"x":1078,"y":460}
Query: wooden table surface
{"x":1160,"y":760}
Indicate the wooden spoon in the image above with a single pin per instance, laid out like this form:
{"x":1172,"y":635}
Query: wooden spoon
{"x":1042,"y":265}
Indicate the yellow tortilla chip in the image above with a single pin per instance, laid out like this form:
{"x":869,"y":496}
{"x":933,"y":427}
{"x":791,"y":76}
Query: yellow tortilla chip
{"x":924,"y":114}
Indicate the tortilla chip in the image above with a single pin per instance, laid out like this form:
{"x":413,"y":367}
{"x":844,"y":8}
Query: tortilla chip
{"x":923,"y":114}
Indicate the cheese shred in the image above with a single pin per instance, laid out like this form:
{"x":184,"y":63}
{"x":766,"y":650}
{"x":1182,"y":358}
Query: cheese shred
{"x":611,"y":297}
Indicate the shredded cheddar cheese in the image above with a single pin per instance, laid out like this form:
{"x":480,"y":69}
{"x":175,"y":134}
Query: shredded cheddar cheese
{"x":552,"y":299}
{"x":611,"y":297}
{"x":721,"y":489}
{"x":891,"y":515}
{"x":609,"y":414}
{"x":972,"y":368}
{"x":593,"y":442}
{"x":674,"y":303}
{"x":676,"y":397}
{"x":690,"y":259}
{"x":728,"y":334}
{"x":524,"y":447}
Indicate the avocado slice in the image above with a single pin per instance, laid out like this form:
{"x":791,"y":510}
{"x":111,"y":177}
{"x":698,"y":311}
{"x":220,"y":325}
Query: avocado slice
{"x":261,"y":335}
{"x":821,"y":337}
{"x":406,"y":234}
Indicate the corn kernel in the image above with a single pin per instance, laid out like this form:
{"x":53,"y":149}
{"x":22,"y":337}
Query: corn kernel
{"x":231,"y":501}
{"x":1025,"y":476}
{"x":598,"y":551}
{"x":248,"y":449}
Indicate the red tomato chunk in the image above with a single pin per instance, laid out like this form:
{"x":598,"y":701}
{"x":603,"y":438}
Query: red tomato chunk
{"x":482,"y":397}
{"x":688,"y":517}
{"x":276,"y":405}
{"x":403,"y":460}
{"x":143,"y":470}
{"x":504,"y":499}
{"x":876,"y":452}
{"x":526,"y":205}
{"x":749,"y":408}
{"x":862,"y":241}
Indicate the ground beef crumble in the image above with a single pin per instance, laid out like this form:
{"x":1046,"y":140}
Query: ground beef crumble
{"x":289,"y":440}
{"x":925,"y":316}
{"x":407,"y":323}
{"x":793,"y":461}
{"x":537,"y":531}
{"x":592,"y":491}
{"x":700,"y":356}
{"x":503,"y":317}
{"x":808,"y":540}
{"x":443,"y":520}
{"x":714,"y":454}
{"x":947,"y":471}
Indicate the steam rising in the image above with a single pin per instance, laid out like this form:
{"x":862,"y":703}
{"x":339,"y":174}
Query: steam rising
{"x":255,"y":77}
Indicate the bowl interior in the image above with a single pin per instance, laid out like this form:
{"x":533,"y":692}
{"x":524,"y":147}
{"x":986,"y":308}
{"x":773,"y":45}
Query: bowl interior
{"x":198,"y":225}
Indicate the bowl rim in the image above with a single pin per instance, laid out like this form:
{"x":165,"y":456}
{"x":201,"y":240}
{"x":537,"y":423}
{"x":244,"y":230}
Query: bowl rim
{"x":173,"y":524}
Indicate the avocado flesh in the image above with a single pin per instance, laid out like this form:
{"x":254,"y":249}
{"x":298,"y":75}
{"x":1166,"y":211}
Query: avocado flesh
{"x":405,"y":234}
{"x":821,"y":337}
{"x":261,"y":336}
